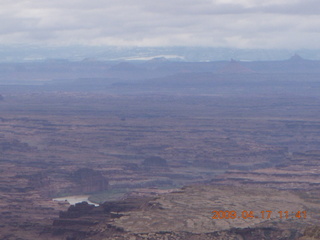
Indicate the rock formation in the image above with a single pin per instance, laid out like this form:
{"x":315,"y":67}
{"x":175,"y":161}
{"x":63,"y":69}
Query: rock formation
{"x":185,"y":214}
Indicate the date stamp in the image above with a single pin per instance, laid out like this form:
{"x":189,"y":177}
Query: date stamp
{"x":266,"y":214}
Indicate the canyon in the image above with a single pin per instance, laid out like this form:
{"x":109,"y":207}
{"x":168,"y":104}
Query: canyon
{"x":159,"y":154}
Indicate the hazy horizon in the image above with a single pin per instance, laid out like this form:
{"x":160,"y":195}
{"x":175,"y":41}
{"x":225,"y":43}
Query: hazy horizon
{"x":31,"y":53}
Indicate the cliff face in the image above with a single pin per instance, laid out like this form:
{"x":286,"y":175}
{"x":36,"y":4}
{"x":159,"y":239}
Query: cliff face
{"x":89,"y":181}
{"x":84,"y":221}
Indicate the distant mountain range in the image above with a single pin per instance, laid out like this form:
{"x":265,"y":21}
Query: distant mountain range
{"x":62,"y":70}
{"x":23,"y":53}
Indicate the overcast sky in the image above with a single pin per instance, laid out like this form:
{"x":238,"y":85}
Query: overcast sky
{"x":217,"y":23}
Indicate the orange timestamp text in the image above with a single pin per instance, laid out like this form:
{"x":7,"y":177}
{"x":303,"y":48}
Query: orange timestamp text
{"x":267,"y":214}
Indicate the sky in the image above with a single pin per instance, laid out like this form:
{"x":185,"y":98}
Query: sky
{"x":271,"y":24}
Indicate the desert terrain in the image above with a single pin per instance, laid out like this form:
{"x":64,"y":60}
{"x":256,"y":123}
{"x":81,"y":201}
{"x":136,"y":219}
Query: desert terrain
{"x":159,"y":146}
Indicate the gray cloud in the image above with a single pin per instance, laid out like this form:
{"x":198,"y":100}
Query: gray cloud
{"x":226,"y":23}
